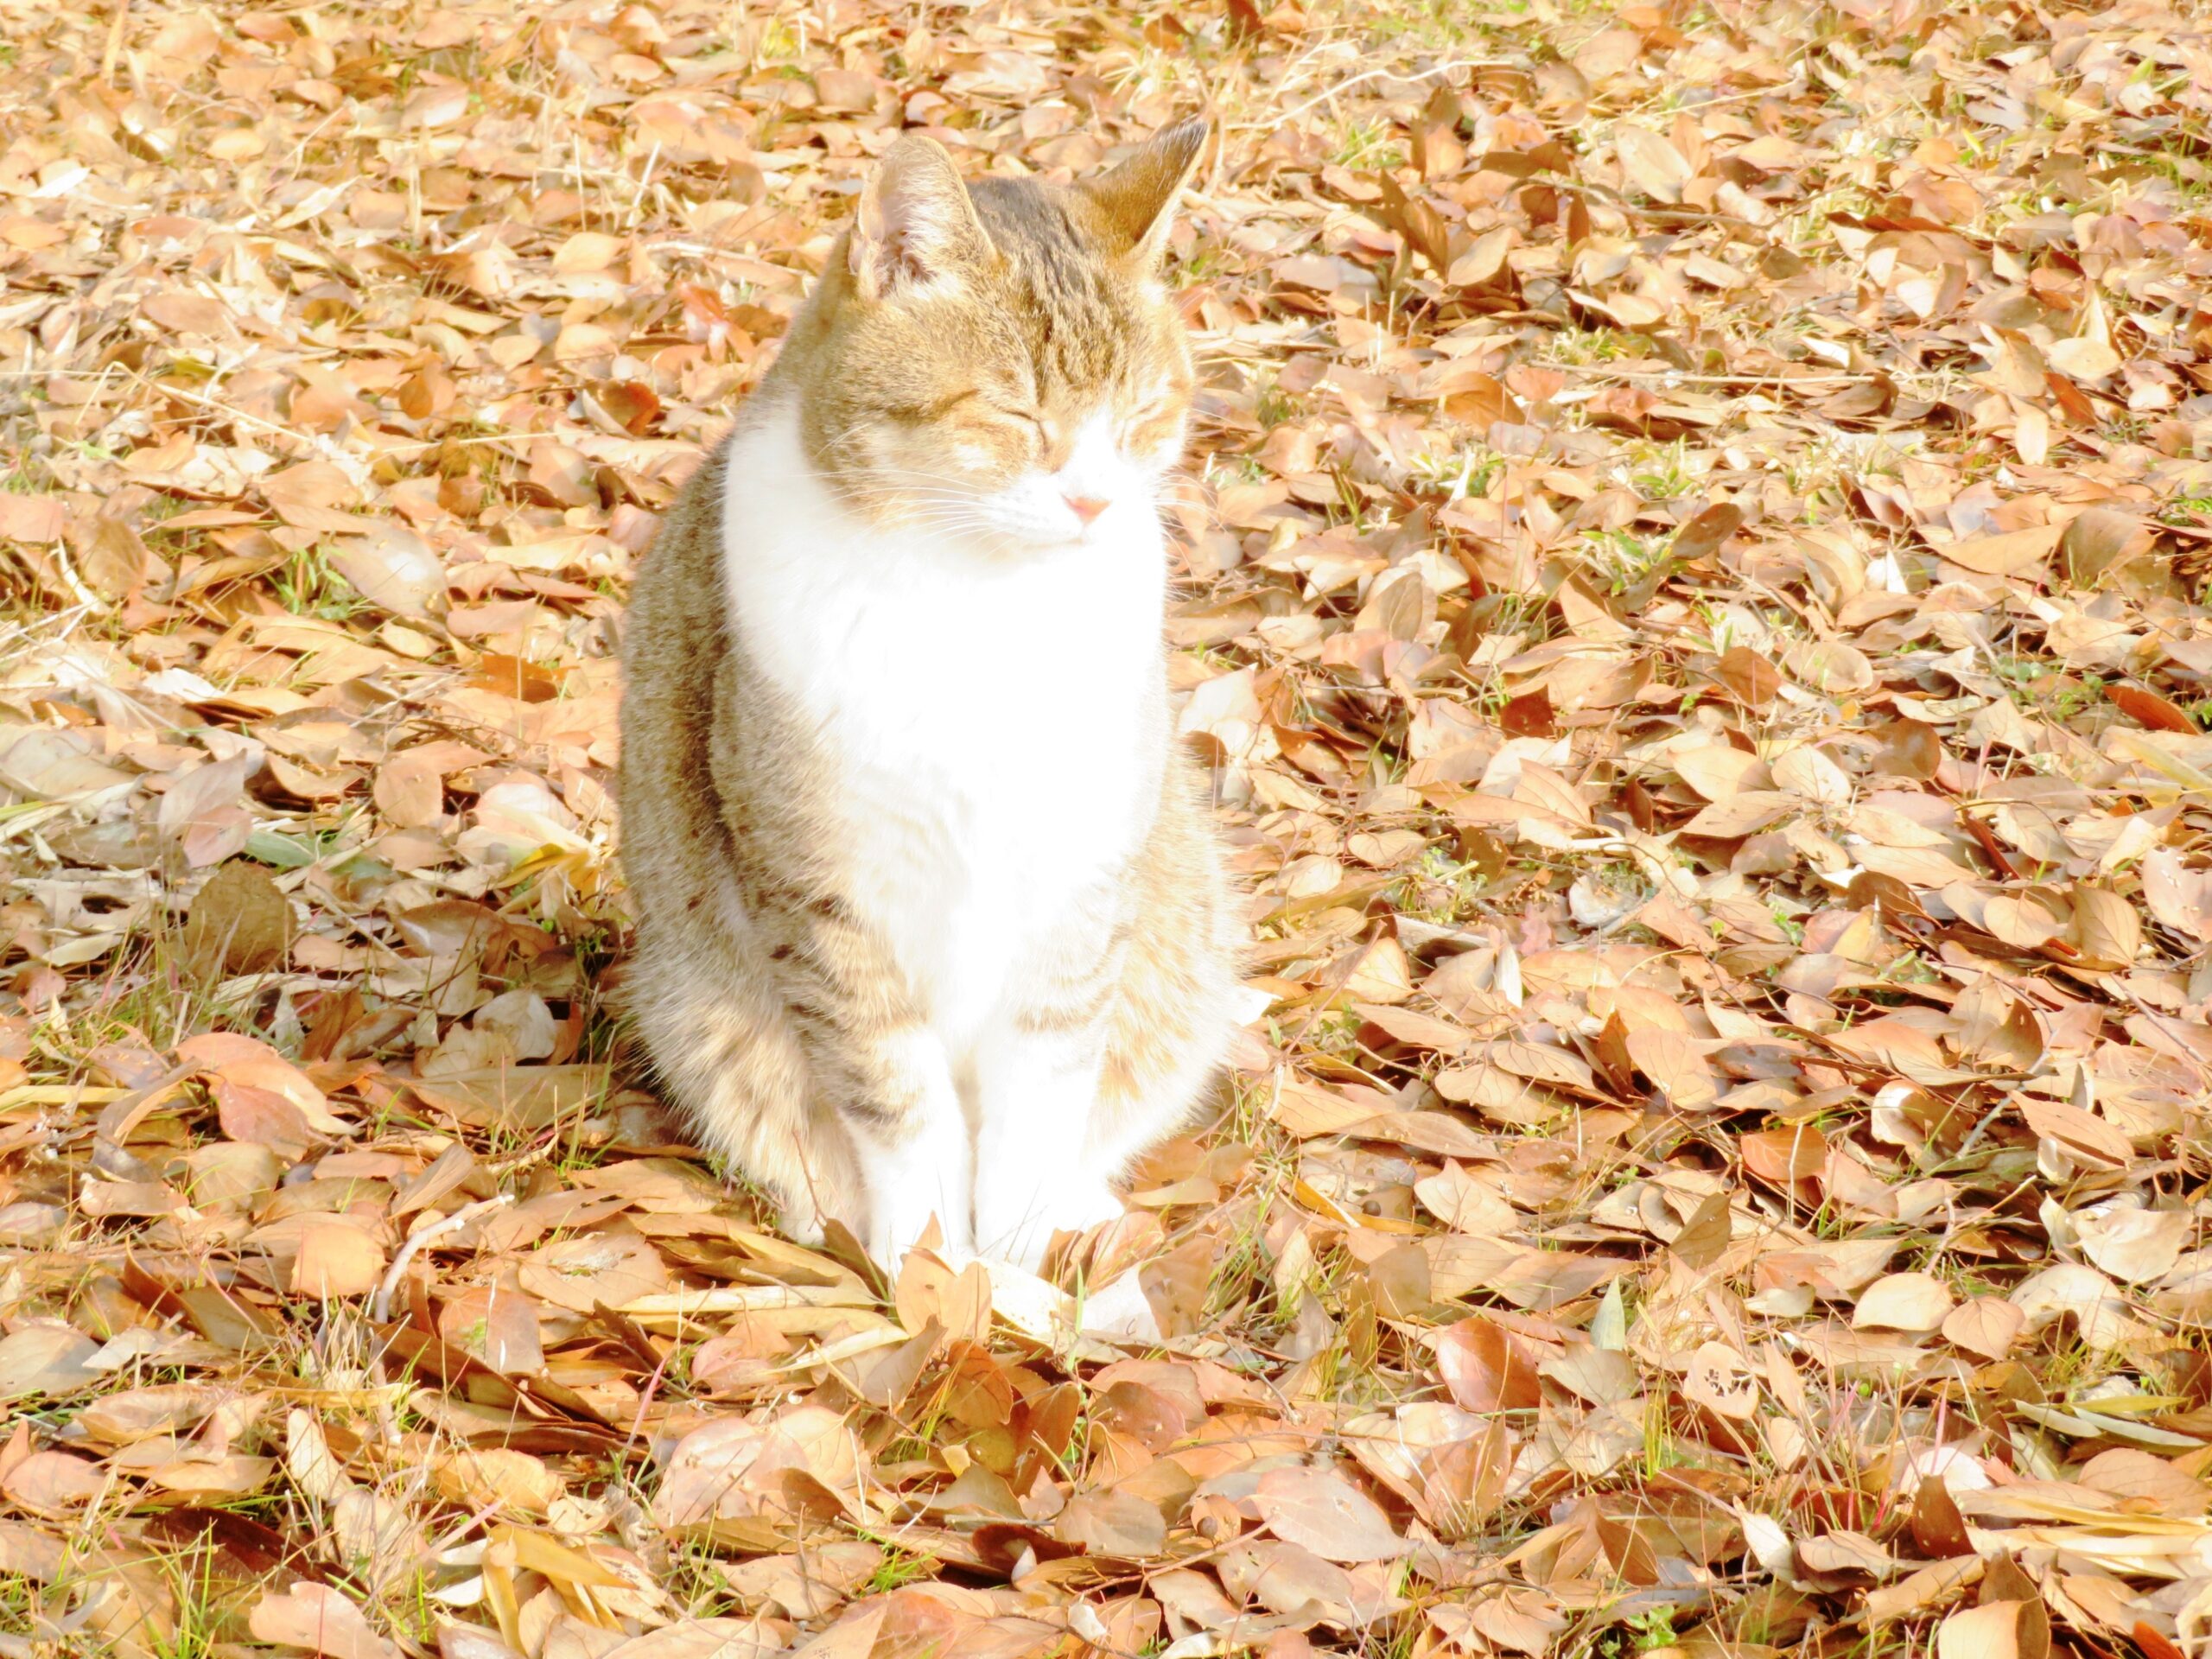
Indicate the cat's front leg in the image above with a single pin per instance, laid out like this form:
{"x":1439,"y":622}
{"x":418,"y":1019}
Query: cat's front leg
{"x":910,"y":1136}
{"x":1035,"y":1092}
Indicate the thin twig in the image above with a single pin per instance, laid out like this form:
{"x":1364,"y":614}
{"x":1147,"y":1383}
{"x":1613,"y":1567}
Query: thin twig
{"x":380,"y":1303}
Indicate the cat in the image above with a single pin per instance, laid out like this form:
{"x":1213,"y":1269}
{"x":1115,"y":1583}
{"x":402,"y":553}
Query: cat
{"x":931,"y":915}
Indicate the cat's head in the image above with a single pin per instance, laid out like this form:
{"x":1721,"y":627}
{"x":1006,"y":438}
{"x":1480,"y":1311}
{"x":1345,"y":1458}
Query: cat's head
{"x":1001,"y":362}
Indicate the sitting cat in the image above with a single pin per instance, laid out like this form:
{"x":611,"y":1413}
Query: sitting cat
{"x":931,"y":921}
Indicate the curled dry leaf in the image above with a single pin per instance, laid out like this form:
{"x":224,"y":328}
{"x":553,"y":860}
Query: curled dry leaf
{"x":1995,"y":1629}
{"x":1847,"y":1553}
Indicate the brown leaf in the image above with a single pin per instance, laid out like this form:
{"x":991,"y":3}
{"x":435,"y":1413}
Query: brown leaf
{"x":1902,"y":1301}
{"x":486,"y":1477}
{"x":1485,"y":1368}
{"x":31,"y":517}
{"x":499,"y":1326}
{"x":200,"y":814}
{"x":1113,"y":1523}
{"x":701,"y":1638}
{"x":410,"y":792}
{"x":1321,"y":1510}
{"x":1785,"y":1155}
{"x":337,"y":1259}
{"x":2137,"y":1246}
{"x":1722,"y":1380}
{"x":45,"y":1359}
{"x":53,"y":1484}
{"x":317,"y":1618}
{"x":1749,"y":677}
{"x":1705,"y":1236}
{"x":2005,"y":555}
{"x":1985,"y":1325}
{"x":2179,"y":897}
{"x":1653,"y":165}
{"x":393,"y":568}
{"x":1675,"y":1066}
{"x":1937,"y":1527}
{"x":1706,"y":534}
{"x":2149,"y":709}
{"x":238,"y":923}
{"x":605,"y":1267}
{"x":2099,"y":541}
{"x":1529,"y":714}
{"x":1996,"y":1629}
{"x":1482,"y":260}
{"x":2107,"y":932}
{"x":112,"y":558}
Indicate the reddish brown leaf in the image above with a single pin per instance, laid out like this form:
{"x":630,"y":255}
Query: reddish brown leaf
{"x":1484,"y":1367}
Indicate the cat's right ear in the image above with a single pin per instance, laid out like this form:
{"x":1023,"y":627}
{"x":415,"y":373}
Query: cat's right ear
{"x":916,"y":229}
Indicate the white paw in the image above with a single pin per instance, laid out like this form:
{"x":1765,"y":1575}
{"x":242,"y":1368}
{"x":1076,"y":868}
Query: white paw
{"x":897,"y":1221}
{"x":1018,"y":1226}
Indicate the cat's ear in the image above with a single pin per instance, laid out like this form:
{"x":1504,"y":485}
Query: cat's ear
{"x":1136,"y":200}
{"x":916,"y":228}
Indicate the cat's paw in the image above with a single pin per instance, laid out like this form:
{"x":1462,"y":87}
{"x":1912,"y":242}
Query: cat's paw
{"x":1018,"y":1227}
{"x":897,"y":1227}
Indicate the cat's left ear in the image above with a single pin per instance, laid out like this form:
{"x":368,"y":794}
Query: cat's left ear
{"x":1136,"y":200}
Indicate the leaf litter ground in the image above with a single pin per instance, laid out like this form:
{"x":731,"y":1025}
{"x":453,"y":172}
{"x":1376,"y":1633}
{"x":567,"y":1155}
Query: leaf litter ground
{"x":1694,"y":565}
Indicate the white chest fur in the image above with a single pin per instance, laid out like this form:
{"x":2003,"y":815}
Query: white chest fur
{"x":994,"y":722}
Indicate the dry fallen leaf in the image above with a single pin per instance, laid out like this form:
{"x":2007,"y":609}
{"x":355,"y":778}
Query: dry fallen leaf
{"x":239,"y":922}
{"x":336,"y":1259}
{"x":1903,"y":1302}
{"x":1985,"y":1326}
{"x":45,"y":1358}
{"x":2137,"y":1246}
{"x":494,"y":1476}
{"x":320,"y":1619}
{"x":1321,"y":1510}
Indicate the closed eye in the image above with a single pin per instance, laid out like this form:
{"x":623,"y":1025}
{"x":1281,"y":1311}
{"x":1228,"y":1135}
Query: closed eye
{"x":1148,"y":426}
{"x":929,"y":413}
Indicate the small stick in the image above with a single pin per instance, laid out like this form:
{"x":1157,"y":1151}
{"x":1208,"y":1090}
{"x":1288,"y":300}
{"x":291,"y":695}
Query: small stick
{"x":114,"y":47}
{"x":380,"y":1303}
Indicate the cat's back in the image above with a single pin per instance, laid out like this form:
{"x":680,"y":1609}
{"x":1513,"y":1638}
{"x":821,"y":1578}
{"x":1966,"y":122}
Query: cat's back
{"x":674,"y":639}
{"x":676,"y":604}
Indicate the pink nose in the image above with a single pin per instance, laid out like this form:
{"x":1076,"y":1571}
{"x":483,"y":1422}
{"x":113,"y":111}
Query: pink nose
{"x":1085,"y":507}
